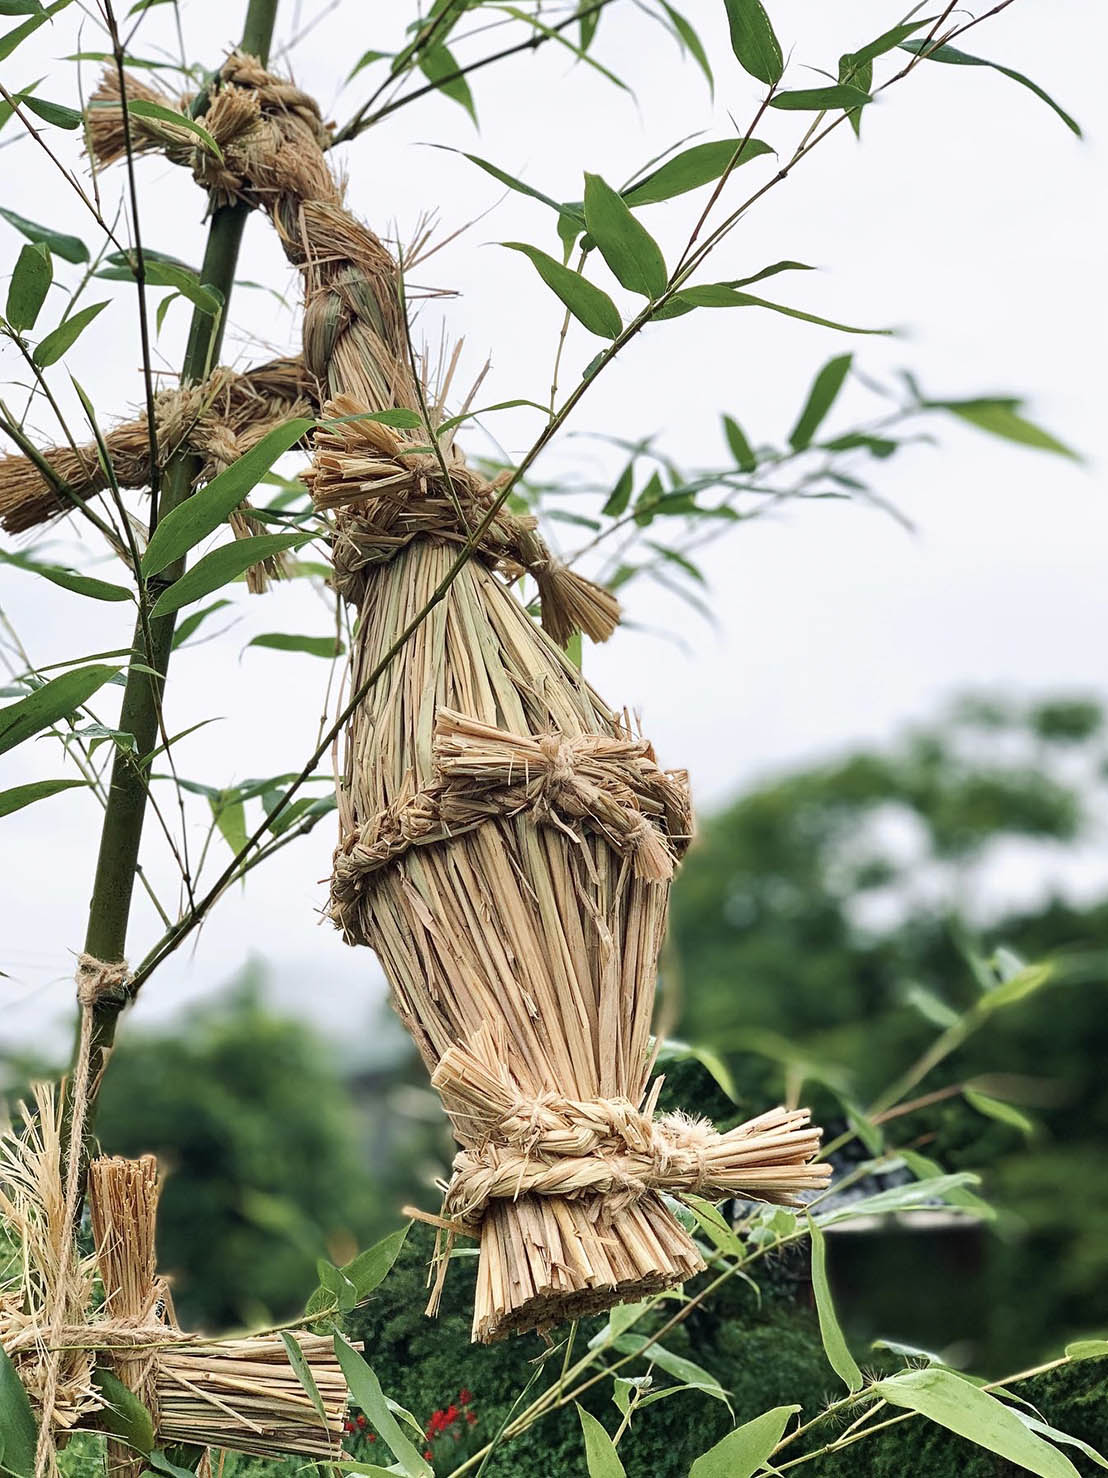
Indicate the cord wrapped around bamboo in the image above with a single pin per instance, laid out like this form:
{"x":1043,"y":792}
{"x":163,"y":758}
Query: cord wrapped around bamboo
{"x":507,"y":841}
{"x":234,"y":1393}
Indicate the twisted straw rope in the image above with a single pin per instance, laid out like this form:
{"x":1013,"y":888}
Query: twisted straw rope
{"x":271,"y":138}
{"x":606,"y":1149}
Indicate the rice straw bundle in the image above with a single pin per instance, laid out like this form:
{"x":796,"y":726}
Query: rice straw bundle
{"x":241,"y":1394}
{"x":506,"y":840}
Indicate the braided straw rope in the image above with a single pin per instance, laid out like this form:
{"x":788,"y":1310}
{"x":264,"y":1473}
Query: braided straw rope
{"x":506,"y":840}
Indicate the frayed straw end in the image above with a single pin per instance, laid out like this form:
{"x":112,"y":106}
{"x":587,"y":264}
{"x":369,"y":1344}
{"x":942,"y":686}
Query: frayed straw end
{"x":571,"y":603}
{"x":105,"y":136}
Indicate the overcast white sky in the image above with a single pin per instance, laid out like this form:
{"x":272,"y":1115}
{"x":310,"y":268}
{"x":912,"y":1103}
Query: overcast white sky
{"x":969,"y":216}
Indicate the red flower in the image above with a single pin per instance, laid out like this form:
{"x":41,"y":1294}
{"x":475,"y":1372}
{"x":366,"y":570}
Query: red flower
{"x":464,"y":1397}
{"x":470,"y":1418}
{"x":372,"y":1436}
{"x":427,"y":1454}
{"x":361,"y":1419}
{"x":450,"y":1414}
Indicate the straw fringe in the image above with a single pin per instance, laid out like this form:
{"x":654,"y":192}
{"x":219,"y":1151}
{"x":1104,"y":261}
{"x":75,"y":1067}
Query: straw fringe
{"x":507,"y":842}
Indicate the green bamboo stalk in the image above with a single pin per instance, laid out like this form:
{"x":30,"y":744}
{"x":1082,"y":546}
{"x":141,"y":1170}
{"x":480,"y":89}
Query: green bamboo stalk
{"x":121,"y":834}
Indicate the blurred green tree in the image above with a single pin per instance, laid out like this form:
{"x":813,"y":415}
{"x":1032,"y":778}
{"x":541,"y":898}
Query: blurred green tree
{"x":263,"y":1148}
{"x":822,"y":925}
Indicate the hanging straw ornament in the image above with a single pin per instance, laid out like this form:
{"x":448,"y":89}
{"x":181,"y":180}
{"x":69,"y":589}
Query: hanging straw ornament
{"x":507,"y":841}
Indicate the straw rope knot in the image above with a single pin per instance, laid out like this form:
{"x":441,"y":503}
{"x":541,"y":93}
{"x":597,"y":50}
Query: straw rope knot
{"x":102,"y":982}
{"x":583,"y":783}
{"x":607,"y":1150}
{"x":393,"y":490}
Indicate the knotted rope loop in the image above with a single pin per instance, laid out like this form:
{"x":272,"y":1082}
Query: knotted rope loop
{"x":102,"y":982}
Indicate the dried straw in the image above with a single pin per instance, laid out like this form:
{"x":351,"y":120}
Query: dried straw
{"x":217,"y":421}
{"x":241,"y":1394}
{"x":507,"y":841}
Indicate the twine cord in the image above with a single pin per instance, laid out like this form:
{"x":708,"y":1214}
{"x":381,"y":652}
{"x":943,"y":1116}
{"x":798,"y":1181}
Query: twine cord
{"x":98,"y":982}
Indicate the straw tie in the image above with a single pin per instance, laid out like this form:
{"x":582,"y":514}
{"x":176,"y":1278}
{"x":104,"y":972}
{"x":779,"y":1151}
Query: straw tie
{"x":601,"y":784}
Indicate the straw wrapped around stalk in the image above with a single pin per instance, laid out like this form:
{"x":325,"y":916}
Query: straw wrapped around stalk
{"x":506,"y":840}
{"x":217,"y":422}
{"x":241,"y":1394}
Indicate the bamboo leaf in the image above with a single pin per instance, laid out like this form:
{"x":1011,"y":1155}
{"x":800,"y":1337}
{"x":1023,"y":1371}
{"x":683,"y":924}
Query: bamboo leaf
{"x":520,"y":186}
{"x":723,"y":295}
{"x":287,"y":641}
{"x":56,"y":113}
{"x":229,"y":815}
{"x":26,"y":795}
{"x":691,"y":41}
{"x":304,"y":1373}
{"x":840,"y":1359}
{"x":69,"y":248}
{"x":821,"y":397}
{"x":817,"y":99}
{"x":625,"y":244}
{"x":371,"y":1267}
{"x":588,"y":304}
{"x":692,"y":168}
{"x":69,"y":579}
{"x":56,"y":699}
{"x":907,"y":1197}
{"x":1044,"y":1429}
{"x":15,"y":37}
{"x":954,"y":57}
{"x":888,"y":41}
{"x":437,"y":64}
{"x":601,"y":1457}
{"x":366,"y":1390}
{"x":753,"y":40}
{"x":741,"y":449}
{"x":161,"y":273}
{"x":123,"y":1414}
{"x":198,"y":516}
{"x":951,"y":1402}
{"x":159,"y":113}
{"x":686,"y":1371}
{"x":222,"y":566}
{"x":1000,"y":419}
{"x":190,"y":623}
{"x":28,"y":287}
{"x":61,"y":339}
{"x":743,"y":1451}
{"x":620,"y":496}
{"x":18,"y":1431}
{"x":996,"y":1108}
{"x":1087,"y":1349}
